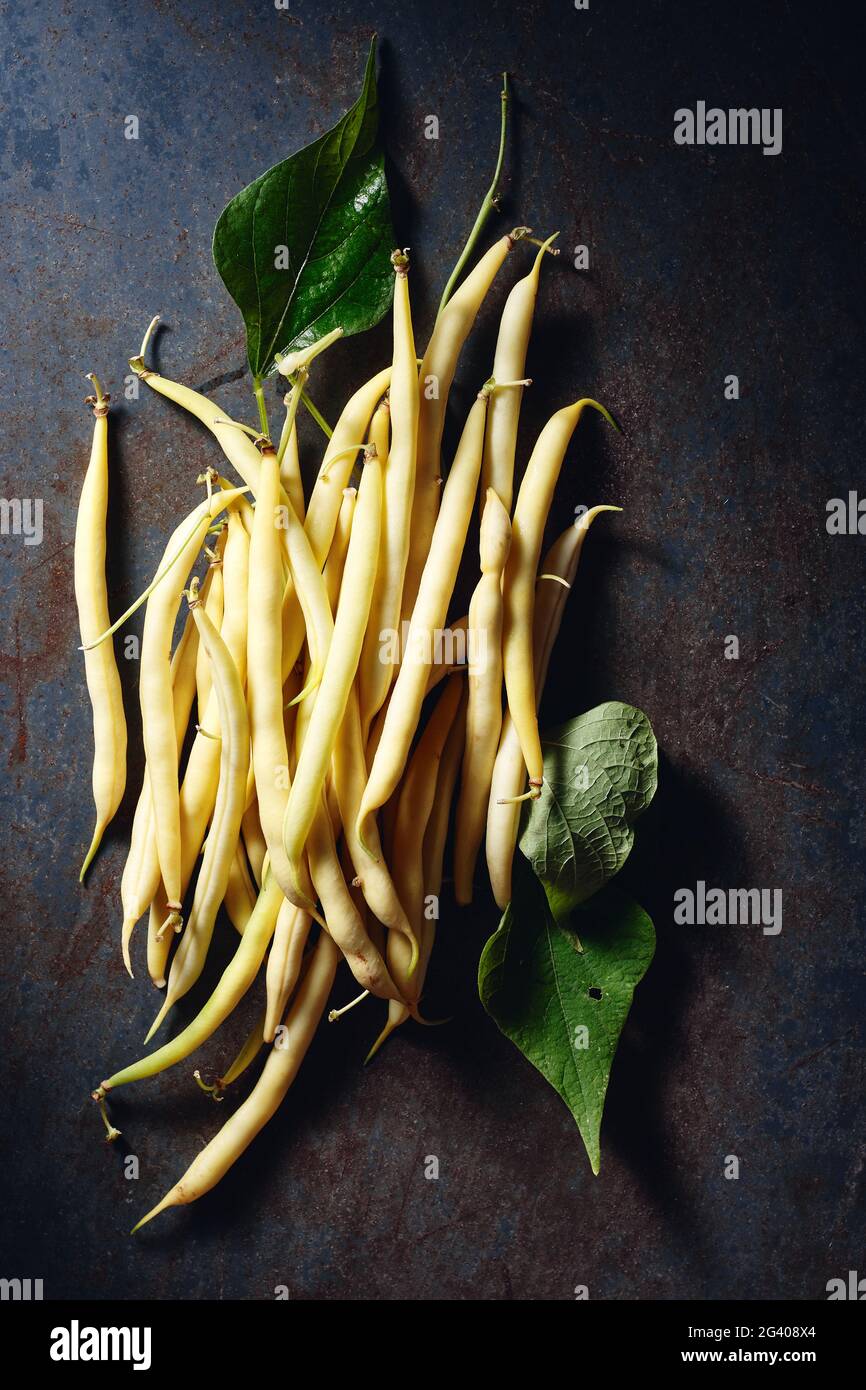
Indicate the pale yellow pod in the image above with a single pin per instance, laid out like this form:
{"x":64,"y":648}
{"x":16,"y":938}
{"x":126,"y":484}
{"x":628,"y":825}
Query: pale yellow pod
{"x":344,"y":922}
{"x":221,"y":844}
{"x":100,"y":667}
{"x":326,"y":497}
{"x":254,"y":841}
{"x":157,"y":711}
{"x":371,"y":871}
{"x":503,"y":811}
{"x":416,"y":809}
{"x":527,"y":532}
{"x":264,"y":666}
{"x":213,"y":599}
{"x":290,"y":471}
{"x":374,"y":673}
{"x":309,"y":596}
{"x":339,"y":670}
{"x":235,"y":444}
{"x":509,"y":364}
{"x":284,"y":964}
{"x":436,"y":834}
{"x":240,"y":896}
{"x":232,"y":986}
{"x":284,"y":1060}
{"x":452,"y":328}
{"x":415,"y":803}
{"x":484,"y":709}
{"x":428,"y":617}
{"x":336,"y":471}
{"x":201,"y":777}
{"x":380,"y":431}
{"x":140,"y":878}
{"x":336,"y":561}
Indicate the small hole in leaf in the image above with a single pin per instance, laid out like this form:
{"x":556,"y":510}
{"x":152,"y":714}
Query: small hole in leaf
{"x":595,"y":993}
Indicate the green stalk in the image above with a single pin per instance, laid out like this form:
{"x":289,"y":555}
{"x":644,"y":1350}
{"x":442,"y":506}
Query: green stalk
{"x":486,"y":207}
{"x":258,"y":391}
{"x":317,"y":416}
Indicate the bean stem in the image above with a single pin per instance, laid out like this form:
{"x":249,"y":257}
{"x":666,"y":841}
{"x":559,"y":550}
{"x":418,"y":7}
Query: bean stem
{"x":259,"y":393}
{"x":487,"y":205}
{"x":316,"y":414}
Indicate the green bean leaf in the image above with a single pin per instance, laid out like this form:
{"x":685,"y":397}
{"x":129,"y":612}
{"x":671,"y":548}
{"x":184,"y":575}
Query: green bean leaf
{"x":561,"y":988}
{"x":600,"y":773}
{"x":306,"y":247}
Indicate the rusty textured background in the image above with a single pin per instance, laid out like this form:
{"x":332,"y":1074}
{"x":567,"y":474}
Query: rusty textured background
{"x":703,"y":262}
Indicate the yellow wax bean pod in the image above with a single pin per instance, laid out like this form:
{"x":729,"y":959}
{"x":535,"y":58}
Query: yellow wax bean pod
{"x":225,"y":828}
{"x":428,"y":617}
{"x":509,"y":362}
{"x":213,"y":599}
{"x":527,"y":532}
{"x":339,"y":670}
{"x":240,"y":895}
{"x":284,"y":964}
{"x":372,"y":875}
{"x":338,"y":462}
{"x":484,"y":710}
{"x":157,"y":712}
{"x":453,"y":327}
{"x":198,"y":789}
{"x":435,"y":836}
{"x":344,"y":922}
{"x":290,"y":471}
{"x":254,"y":841}
{"x":264,"y":660}
{"x":503,"y":811}
{"x":336,"y":561}
{"x":237,"y":446}
{"x":140,"y":878}
{"x":417,"y":795}
{"x":414,"y":806}
{"x":280,"y":1070}
{"x":375,"y":674}
{"x":230,"y":989}
{"x":91,"y":596}
{"x":326,"y":497}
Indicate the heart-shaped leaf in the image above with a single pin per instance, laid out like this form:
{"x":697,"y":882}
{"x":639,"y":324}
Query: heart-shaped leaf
{"x":561,"y":989}
{"x":306,"y":247}
{"x":600,"y":772}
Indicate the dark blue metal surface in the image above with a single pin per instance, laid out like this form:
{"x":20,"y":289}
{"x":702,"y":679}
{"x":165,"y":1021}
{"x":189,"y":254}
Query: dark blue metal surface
{"x":703,"y":262}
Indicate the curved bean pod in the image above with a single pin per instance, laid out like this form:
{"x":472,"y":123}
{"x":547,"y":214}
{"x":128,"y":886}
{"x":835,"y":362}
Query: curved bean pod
{"x":415,"y":804}
{"x":374,"y":674}
{"x":340,"y":667}
{"x":373,"y":877}
{"x":157,"y":714}
{"x":222,"y":840}
{"x":214,"y":601}
{"x":230,"y":989}
{"x":437,"y":373}
{"x":484,"y":709}
{"x":284,"y":965}
{"x":140,"y":878}
{"x":280,"y":1070}
{"x":428,"y":617}
{"x":91,"y":596}
{"x":198,"y":789}
{"x":509,"y":362}
{"x":503,"y":809}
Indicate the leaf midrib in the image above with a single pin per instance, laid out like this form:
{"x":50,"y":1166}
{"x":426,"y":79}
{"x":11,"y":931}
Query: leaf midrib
{"x":342,"y":128}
